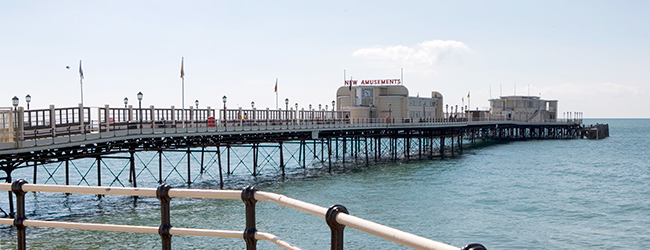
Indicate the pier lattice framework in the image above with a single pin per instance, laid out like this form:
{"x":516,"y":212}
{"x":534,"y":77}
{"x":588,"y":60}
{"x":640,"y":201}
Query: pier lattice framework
{"x":324,"y":146}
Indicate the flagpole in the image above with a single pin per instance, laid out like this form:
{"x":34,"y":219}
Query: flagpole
{"x":183,"y":92}
{"x":81,"y":83}
{"x":276,"y":93}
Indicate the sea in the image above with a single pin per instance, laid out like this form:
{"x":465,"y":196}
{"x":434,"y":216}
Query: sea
{"x":543,"y":194}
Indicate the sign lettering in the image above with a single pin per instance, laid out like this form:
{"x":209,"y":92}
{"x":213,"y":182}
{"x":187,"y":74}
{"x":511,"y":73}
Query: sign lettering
{"x":374,"y":82}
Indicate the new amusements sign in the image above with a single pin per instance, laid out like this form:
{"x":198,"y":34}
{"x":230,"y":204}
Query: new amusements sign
{"x":374,"y":82}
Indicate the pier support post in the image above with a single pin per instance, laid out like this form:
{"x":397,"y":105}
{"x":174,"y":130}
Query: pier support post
{"x":365,"y":140}
{"x":202,"y":155}
{"x":281,"y":159}
{"x":35,"y":170}
{"x":220,"y":169}
{"x":189,"y":161}
{"x":452,"y":145}
{"x":304,"y":154}
{"x":255,"y":150}
{"x":99,"y":174}
{"x":8,"y":171}
{"x":329,"y":153}
{"x":228,"y":159}
{"x":442,"y":147}
{"x":67,"y":171}
{"x":160,"y":170}
{"x":132,"y":176}
{"x":344,"y":149}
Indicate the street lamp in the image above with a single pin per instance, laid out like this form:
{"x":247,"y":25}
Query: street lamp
{"x":252,"y":105}
{"x":28,"y":99}
{"x":126,"y":101}
{"x":447,"y":109}
{"x":333,"y":114}
{"x":14,"y":101}
{"x":286,"y":104}
{"x":319,"y":107}
{"x":140,"y":108}
{"x":196,"y":103}
{"x":224,"y":99}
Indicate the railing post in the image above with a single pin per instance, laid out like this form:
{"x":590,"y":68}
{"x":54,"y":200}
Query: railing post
{"x":248,"y":196}
{"x":52,"y":120}
{"x":474,"y":246}
{"x":17,"y":189}
{"x":162,"y":193}
{"x":335,"y":227}
{"x":82,"y":119}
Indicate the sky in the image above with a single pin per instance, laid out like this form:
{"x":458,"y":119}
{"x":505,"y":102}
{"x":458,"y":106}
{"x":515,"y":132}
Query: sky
{"x":591,"y":56}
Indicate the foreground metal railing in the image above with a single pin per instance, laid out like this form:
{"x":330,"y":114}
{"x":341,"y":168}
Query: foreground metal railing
{"x":336,"y":217}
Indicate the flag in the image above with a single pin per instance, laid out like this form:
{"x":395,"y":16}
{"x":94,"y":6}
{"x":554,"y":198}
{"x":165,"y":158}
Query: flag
{"x":418,"y":94}
{"x":276,"y":85}
{"x":182,"y":72}
{"x":81,"y":72}
{"x":467,"y":94}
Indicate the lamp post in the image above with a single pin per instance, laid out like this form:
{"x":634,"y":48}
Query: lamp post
{"x":447,"y":109}
{"x":126,"y":101}
{"x":140,"y":108}
{"x":196,"y":103}
{"x":311,"y":114}
{"x":14,"y":101}
{"x":28,"y":99}
{"x":296,"y":112}
{"x":333,"y":114}
{"x":253,"y":108}
{"x":286,"y":111}
{"x":224,"y":99}
{"x":319,"y":115}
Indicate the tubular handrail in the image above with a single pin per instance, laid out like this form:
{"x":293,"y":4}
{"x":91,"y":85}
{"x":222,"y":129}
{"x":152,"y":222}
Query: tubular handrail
{"x":151,"y":230}
{"x":388,"y":233}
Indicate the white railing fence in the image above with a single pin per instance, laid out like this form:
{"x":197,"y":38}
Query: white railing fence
{"x":336,"y":217}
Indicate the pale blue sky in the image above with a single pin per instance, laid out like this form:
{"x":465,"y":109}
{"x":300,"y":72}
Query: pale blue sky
{"x":592,"y":56}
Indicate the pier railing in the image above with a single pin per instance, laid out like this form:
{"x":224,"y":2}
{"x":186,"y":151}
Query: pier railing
{"x":336,"y":217}
{"x":19,"y":125}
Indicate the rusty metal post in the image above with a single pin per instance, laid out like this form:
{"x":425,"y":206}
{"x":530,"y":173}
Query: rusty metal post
{"x":162,"y":193}
{"x":17,"y":189}
{"x":248,"y":197}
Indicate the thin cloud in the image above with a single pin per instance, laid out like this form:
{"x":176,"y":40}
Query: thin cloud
{"x":424,"y":57}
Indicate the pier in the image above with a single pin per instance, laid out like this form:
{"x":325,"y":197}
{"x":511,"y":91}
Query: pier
{"x":268,"y":141}
{"x":61,"y":136}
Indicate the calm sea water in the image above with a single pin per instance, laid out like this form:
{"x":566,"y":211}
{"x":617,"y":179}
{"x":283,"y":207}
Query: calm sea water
{"x":554,"y":194}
